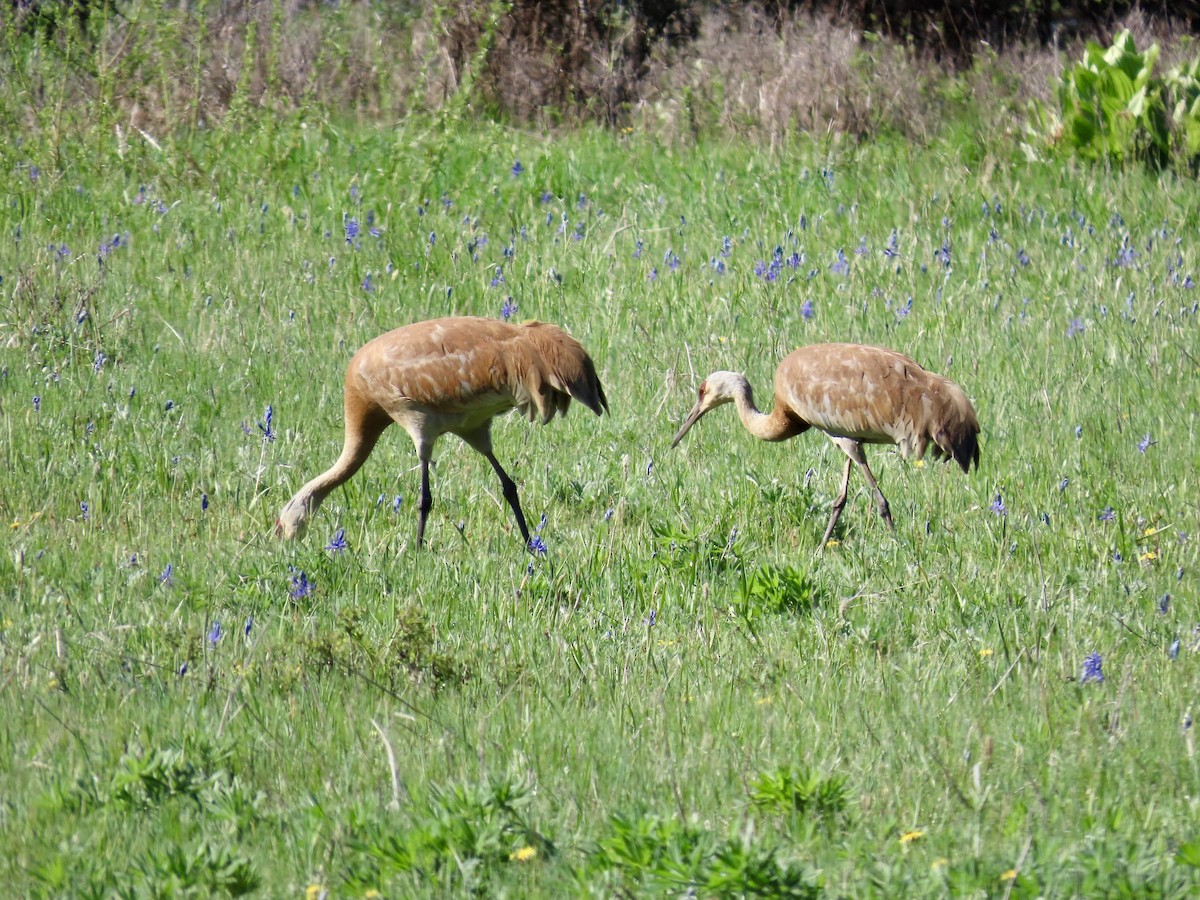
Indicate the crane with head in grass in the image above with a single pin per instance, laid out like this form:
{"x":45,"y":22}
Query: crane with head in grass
{"x":450,"y":375}
{"x":857,"y":395}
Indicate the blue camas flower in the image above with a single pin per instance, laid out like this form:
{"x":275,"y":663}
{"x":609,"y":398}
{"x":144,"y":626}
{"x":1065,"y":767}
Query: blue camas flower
{"x":1092,"y":668}
{"x":338,"y":542}
{"x":301,"y":586}
{"x":265,"y":426}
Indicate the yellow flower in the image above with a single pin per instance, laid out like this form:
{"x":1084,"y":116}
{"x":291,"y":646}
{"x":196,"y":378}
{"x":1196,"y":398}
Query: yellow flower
{"x":940,"y":863}
{"x":985,"y":652}
{"x":920,"y":464}
{"x":1148,"y":556}
{"x":909,"y":836}
{"x":764,"y":701}
{"x":524,"y":854}
{"x":832,"y":542}
{"x":372,"y":894}
{"x":315,"y":892}
{"x":1010,"y":875}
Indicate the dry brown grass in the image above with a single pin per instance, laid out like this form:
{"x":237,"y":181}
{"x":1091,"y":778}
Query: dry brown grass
{"x":736,"y":70}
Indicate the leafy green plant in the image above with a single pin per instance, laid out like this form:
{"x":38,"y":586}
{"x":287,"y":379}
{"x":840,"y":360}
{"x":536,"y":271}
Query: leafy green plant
{"x":774,"y":590}
{"x":695,"y":553}
{"x":462,"y":836}
{"x":1182,"y":86}
{"x":1111,"y":106}
{"x":654,"y":853}
{"x":788,"y":789}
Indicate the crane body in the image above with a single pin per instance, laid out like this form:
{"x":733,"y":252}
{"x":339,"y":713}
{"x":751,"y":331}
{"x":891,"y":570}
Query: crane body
{"x":450,"y":376}
{"x":856,"y":394}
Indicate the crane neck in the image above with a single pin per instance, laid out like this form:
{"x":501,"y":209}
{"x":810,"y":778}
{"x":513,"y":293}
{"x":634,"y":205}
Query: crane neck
{"x":773,"y":426}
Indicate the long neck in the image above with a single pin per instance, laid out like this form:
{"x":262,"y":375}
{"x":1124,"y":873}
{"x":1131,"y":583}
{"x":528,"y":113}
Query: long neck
{"x":357,"y":447}
{"x":773,"y":426}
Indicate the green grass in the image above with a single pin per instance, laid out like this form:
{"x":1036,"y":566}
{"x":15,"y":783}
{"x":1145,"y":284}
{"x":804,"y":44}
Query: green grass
{"x":682,"y":693}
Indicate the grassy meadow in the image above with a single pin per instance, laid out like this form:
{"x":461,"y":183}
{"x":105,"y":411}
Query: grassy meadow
{"x":684,"y":694}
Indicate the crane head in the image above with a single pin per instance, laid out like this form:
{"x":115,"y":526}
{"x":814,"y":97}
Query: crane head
{"x":717,"y":389}
{"x":292,"y":522}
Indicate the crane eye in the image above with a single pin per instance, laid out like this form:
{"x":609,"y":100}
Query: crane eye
{"x":702,"y":389}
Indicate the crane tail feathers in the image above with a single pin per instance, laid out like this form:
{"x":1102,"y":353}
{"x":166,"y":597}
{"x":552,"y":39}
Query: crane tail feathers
{"x":567,"y":369}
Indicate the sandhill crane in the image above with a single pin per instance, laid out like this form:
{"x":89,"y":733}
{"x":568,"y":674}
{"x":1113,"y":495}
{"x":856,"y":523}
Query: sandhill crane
{"x":451,"y":375}
{"x":857,"y":395}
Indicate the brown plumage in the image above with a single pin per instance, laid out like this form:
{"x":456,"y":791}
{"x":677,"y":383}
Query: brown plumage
{"x":857,"y":395}
{"x":451,"y":375}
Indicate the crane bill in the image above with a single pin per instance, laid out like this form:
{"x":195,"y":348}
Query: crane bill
{"x":695,"y":414}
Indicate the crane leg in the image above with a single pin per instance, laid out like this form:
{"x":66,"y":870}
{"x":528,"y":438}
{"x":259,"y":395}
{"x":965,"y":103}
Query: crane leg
{"x":425,"y":504}
{"x":839,"y":503}
{"x":853,"y":449}
{"x":509,"y":488}
{"x":880,"y":500}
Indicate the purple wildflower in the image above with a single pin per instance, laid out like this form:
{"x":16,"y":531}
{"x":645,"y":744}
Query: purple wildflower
{"x":1078,"y":432}
{"x":1023,"y":257}
{"x":1173,"y":650}
{"x":1062,"y":485}
{"x":891,"y":251}
{"x":508,"y":310}
{"x":338,"y":542}
{"x":1108,"y":515}
{"x":37,"y":403}
{"x":268,"y":432}
{"x":215,"y":634}
{"x":351,"y":230}
{"x":1074,"y":327}
{"x":249,"y":624}
{"x":998,"y":506}
{"x":301,"y":586}
{"x":203,"y":502}
{"x":537,"y":545}
{"x":84,"y":511}
{"x":1145,"y":444}
{"x":98,"y":361}
{"x":168,"y":576}
{"x":806,"y":310}
{"x":841,"y":266}
{"x":1092,"y":668}
{"x":517,"y":168}
{"x":1164,"y":603}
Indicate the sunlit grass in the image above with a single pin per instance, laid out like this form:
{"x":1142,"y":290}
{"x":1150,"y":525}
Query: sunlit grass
{"x":683,"y":641}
